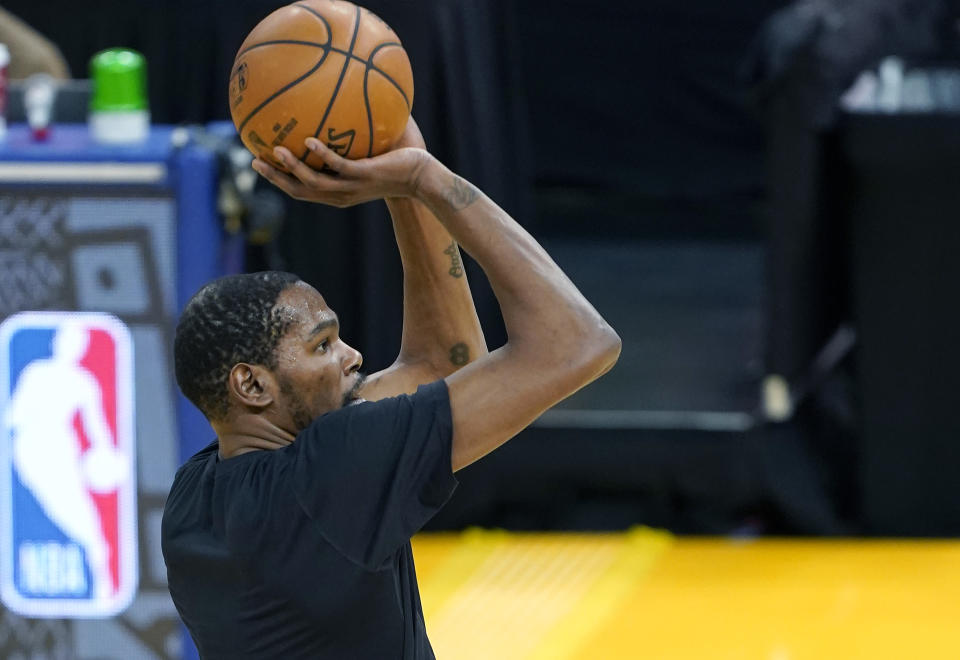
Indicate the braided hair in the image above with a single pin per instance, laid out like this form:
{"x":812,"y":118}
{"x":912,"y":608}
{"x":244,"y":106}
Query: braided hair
{"x":230,"y":320}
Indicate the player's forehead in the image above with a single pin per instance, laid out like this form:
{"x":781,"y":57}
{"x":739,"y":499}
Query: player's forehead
{"x":305,"y":309}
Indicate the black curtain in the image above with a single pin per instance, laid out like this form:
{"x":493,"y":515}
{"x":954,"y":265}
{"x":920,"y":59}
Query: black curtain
{"x":467,"y":102}
{"x":616,"y":121}
{"x":619,"y":119}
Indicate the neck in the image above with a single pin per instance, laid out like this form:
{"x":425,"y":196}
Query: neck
{"x":246,"y":432}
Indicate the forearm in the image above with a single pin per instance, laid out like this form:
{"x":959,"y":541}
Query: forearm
{"x":440,"y":325}
{"x":557,"y":342}
{"x":546,"y":317}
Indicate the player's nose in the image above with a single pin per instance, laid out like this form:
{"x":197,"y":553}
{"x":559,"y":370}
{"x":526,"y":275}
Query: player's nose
{"x":352,"y":359}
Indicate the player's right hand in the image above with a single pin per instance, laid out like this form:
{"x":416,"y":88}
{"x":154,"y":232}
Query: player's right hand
{"x":346,"y":182}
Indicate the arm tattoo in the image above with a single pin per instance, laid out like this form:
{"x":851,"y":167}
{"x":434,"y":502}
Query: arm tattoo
{"x":460,"y":194}
{"x":459,"y":354}
{"x":456,"y":266}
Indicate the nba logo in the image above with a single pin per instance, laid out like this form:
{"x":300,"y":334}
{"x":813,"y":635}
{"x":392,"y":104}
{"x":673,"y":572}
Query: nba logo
{"x":67,"y":474}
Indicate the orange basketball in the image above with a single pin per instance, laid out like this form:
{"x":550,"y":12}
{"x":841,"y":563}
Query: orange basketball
{"x":322,"y":68}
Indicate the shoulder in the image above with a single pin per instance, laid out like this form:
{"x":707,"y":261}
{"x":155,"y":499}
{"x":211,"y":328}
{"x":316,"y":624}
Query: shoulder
{"x":192,"y":469}
{"x":201,"y":458}
{"x":369,"y":476}
{"x":184,"y":510}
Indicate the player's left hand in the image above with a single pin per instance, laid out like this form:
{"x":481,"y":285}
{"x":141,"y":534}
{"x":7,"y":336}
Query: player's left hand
{"x":348,"y":182}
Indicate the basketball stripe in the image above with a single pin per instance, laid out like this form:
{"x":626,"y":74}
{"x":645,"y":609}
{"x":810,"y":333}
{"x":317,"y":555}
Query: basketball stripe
{"x":322,"y":18}
{"x":366,"y":102}
{"x":371,"y":65}
{"x":336,"y":90}
{"x":311,"y":10}
{"x":283,"y":89}
{"x":315,"y":44}
{"x":293,"y":42}
{"x":366,"y":93}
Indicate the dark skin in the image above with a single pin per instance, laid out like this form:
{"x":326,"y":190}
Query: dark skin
{"x":316,"y":372}
{"x":557,"y":342}
{"x":441,"y":333}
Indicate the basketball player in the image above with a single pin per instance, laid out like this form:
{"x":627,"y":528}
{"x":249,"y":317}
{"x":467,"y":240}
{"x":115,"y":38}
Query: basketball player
{"x":289,"y":537}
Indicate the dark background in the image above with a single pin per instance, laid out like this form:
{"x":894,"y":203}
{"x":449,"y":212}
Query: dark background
{"x":686,"y":163}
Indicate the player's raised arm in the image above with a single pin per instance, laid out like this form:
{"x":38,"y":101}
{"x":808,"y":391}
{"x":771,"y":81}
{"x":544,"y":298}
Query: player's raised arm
{"x":557,"y":342}
{"x":441,"y":331}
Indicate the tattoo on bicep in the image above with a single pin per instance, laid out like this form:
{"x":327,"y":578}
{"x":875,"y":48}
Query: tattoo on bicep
{"x":461,"y":194}
{"x":459,"y":354}
{"x":456,"y":266}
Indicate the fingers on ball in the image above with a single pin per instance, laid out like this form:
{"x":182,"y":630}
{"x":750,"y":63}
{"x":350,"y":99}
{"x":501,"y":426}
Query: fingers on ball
{"x":332,"y":160}
{"x":280,"y":179}
{"x":261,"y":166}
{"x":296,"y":167}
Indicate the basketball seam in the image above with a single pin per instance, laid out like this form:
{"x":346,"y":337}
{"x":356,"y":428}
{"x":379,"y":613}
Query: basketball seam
{"x":282,"y":42}
{"x":343,"y":73}
{"x":371,"y":65}
{"x":366,"y":102}
{"x":311,"y":10}
{"x":367,"y":63}
{"x":327,"y":48}
{"x":366,"y":94}
{"x":283,"y":89}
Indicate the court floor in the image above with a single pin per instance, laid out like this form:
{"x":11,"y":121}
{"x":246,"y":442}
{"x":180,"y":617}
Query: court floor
{"x":647,"y":594}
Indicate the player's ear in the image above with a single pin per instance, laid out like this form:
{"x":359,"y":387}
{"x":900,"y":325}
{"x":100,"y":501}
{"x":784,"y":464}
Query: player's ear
{"x":251,"y":385}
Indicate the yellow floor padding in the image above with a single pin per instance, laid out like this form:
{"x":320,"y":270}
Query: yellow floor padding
{"x":646,"y":594}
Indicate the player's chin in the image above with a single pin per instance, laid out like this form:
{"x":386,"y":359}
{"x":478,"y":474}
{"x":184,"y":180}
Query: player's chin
{"x":352,"y":395}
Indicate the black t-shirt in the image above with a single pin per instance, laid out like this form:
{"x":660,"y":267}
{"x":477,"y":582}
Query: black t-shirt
{"x":304,"y":552}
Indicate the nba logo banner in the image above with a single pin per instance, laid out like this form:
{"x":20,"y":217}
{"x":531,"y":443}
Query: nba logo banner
{"x":67,"y":474}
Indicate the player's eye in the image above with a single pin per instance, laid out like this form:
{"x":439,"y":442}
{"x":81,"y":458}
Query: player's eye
{"x":323,"y":346}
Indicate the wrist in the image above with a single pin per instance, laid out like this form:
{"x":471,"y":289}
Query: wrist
{"x":427,"y":179}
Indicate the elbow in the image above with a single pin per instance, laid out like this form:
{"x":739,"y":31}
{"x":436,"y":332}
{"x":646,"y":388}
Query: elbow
{"x":583,"y":355}
{"x":605,"y":346}
{"x":616,"y":345}
{"x":609,"y":346}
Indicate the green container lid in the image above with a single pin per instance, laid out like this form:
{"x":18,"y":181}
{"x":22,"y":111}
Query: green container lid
{"x":119,"y":81}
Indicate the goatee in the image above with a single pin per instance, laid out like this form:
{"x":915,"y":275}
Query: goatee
{"x":351,"y":397}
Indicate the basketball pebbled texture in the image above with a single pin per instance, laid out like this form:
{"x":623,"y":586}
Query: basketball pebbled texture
{"x":322,"y":68}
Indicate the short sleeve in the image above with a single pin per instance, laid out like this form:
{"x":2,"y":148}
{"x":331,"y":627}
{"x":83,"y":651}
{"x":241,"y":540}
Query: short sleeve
{"x":372,"y":474}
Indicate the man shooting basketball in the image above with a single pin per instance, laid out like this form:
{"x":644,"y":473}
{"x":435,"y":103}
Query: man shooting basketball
{"x":289,"y":536}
